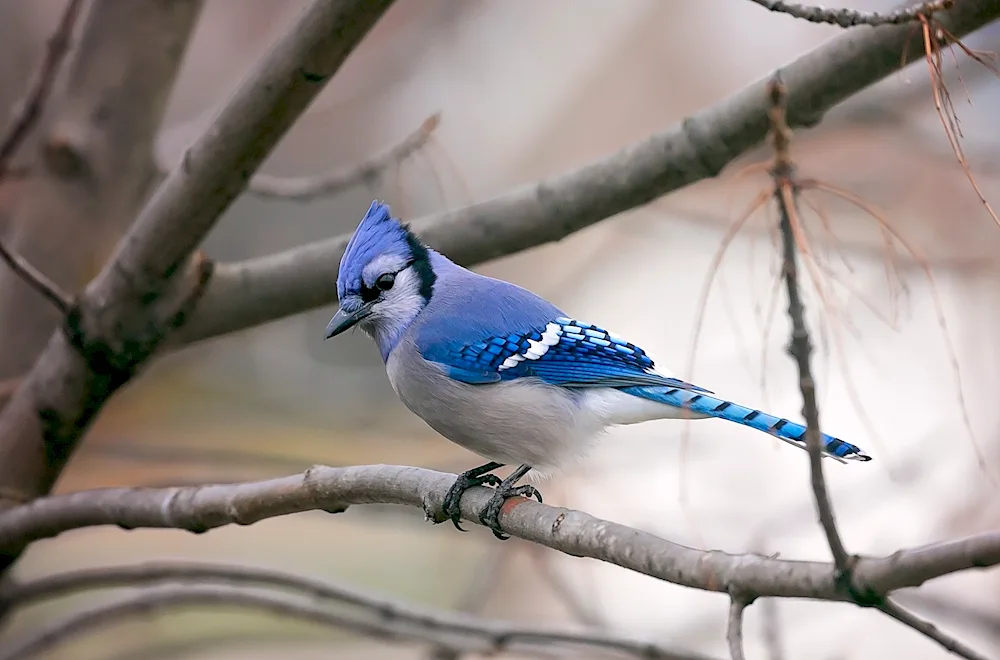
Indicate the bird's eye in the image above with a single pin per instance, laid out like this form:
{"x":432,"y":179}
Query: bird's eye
{"x":385,"y":281}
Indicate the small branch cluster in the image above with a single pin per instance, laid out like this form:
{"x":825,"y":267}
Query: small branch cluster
{"x":793,"y":237}
{"x":846,"y":18}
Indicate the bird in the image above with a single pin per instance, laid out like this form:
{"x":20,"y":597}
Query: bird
{"x":506,"y":374}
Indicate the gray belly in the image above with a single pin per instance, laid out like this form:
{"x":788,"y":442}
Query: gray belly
{"x":515,"y":422}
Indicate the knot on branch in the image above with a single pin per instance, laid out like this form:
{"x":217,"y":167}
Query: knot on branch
{"x":863,"y":597}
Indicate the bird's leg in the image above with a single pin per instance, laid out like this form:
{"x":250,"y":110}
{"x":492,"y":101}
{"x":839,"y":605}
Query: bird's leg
{"x":478,"y":476}
{"x":490,"y":516}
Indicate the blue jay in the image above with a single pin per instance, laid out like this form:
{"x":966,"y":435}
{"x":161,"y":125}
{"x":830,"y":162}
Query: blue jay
{"x":504,"y":373}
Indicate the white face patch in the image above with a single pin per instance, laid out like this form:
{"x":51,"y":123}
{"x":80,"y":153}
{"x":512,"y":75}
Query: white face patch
{"x":385,"y":263}
{"x":397,"y":307}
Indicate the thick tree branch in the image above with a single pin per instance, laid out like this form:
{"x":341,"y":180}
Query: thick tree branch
{"x":385,"y":614}
{"x":87,"y":163}
{"x":846,"y":18}
{"x":149,"y":285}
{"x":575,"y":533}
{"x":268,"y":288}
{"x":304,"y":189}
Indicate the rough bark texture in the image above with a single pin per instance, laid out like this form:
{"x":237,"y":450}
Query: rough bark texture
{"x":200,"y":508}
{"x":91,"y":162}
{"x":146,"y":288}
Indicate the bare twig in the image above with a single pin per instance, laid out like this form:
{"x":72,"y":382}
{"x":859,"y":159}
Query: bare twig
{"x":31,"y":108}
{"x":24,"y":119}
{"x":734,"y":629}
{"x":200,"y":508}
{"x":37,"y":280}
{"x":303,"y":189}
{"x":263,"y":289}
{"x":984,"y":619}
{"x":438,"y":626}
{"x":846,"y":18}
{"x":800,"y":347}
{"x":929,"y":630}
{"x":785,"y":192}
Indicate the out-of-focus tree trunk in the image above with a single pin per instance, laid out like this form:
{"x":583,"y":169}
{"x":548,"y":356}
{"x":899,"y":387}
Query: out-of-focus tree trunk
{"x":90,"y":163}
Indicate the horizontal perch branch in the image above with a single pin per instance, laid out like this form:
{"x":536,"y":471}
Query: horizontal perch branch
{"x":332,"y":489}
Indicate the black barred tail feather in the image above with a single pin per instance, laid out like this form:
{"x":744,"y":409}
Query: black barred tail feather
{"x":791,"y":432}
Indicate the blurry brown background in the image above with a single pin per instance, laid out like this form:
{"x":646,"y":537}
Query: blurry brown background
{"x":528,"y":90}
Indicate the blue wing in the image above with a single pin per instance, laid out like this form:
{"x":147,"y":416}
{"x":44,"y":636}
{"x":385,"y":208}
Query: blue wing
{"x":564,"y":352}
{"x":571,"y":354}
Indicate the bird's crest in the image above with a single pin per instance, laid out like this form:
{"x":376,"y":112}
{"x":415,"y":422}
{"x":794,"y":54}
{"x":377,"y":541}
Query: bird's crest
{"x":379,"y":234}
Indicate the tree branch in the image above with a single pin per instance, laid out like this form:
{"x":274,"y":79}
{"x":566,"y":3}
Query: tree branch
{"x":929,"y":630}
{"x":846,"y":18}
{"x":384,"y":615}
{"x":575,"y":533}
{"x":24,"y":120}
{"x":37,"y":280}
{"x":89,"y":165}
{"x":30,"y":109}
{"x":734,"y":629}
{"x":303,"y":189}
{"x":267,"y":288}
{"x":800,"y":347}
{"x":793,"y":240}
{"x":150,"y":284}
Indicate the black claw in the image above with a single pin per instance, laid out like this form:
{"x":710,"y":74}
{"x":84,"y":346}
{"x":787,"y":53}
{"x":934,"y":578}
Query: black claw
{"x":490,"y":516}
{"x":469,"y":479}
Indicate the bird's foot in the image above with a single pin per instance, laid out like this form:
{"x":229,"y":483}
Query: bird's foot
{"x":490,"y":516}
{"x":479,"y":476}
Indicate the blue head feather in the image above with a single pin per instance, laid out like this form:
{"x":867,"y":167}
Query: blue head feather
{"x":385,"y":279}
{"x":378,"y":234}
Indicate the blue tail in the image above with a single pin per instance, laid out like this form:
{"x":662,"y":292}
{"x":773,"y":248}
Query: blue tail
{"x":789,"y":431}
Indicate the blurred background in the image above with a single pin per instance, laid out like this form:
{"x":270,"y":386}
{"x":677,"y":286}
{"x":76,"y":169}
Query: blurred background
{"x":907,"y":352}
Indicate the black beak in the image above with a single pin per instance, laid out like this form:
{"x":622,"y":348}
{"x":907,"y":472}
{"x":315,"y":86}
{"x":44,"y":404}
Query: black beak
{"x":345,"y":320}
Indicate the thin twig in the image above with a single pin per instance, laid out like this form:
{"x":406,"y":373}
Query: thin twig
{"x":846,"y":18}
{"x":31,"y":108}
{"x":200,"y":508}
{"x":303,"y":189}
{"x":800,"y":347}
{"x":785,"y":191}
{"x":37,"y":280}
{"x":929,"y":630}
{"x":734,"y":630}
{"x":29,"y":111}
{"x":381,"y":615}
